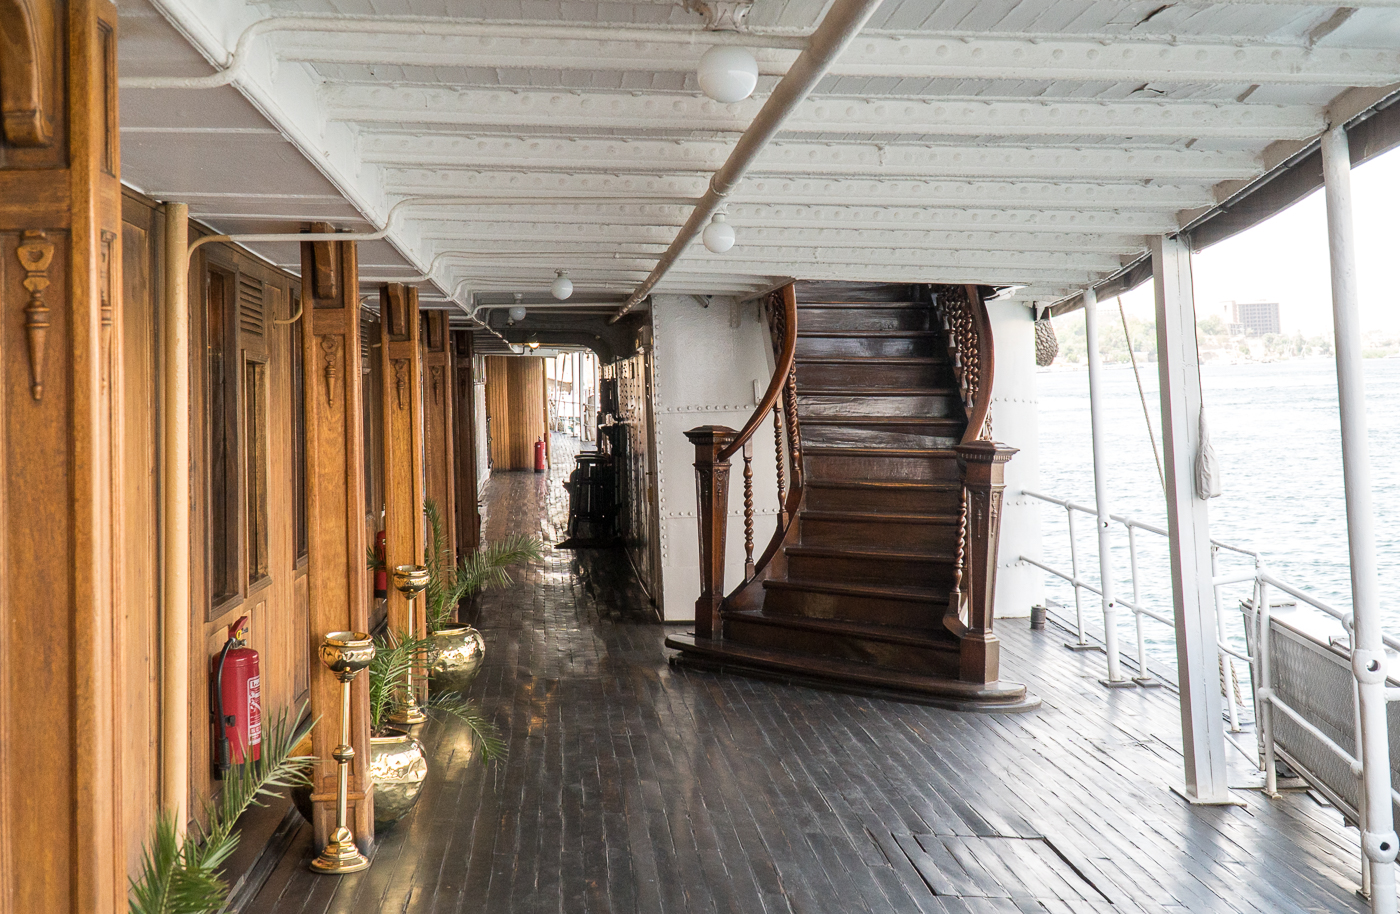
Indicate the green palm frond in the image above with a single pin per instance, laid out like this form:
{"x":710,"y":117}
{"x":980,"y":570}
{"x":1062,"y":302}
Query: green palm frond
{"x":395,"y":656}
{"x":484,"y":732}
{"x":180,"y":875}
{"x":448,"y":585}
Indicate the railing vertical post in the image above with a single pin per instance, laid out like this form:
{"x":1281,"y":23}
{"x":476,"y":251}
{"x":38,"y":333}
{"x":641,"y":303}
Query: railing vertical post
{"x":1115,"y":678}
{"x":982,"y":464}
{"x":1265,"y":690}
{"x":1081,"y":643}
{"x":1188,"y":526}
{"x":1144,"y":677}
{"x":1225,"y":662}
{"x":1368,"y":659}
{"x":712,"y":514}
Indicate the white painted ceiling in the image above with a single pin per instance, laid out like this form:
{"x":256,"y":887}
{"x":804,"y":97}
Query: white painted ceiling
{"x":1013,"y":142}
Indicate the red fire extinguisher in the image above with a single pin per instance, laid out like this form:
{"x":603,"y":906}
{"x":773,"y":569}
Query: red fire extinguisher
{"x":539,"y":456}
{"x":381,"y":572}
{"x":237,"y":701}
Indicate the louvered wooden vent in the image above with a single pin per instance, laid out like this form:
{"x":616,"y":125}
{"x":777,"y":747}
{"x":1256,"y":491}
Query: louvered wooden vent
{"x":250,"y":305}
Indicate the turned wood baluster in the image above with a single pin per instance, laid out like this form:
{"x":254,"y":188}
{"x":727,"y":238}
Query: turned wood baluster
{"x":748,"y":509}
{"x":982,"y":467}
{"x":778,"y":450}
{"x":712,"y":512}
{"x":794,"y":439}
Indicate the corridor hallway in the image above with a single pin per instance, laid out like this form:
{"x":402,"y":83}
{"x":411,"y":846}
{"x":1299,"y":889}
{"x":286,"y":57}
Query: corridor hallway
{"x":635,"y":787}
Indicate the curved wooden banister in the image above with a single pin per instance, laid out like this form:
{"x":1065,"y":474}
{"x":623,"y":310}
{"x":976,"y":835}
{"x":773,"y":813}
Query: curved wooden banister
{"x":986,"y":367}
{"x":780,"y":375}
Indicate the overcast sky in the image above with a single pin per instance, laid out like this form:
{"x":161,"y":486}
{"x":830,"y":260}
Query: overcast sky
{"x":1285,"y":259}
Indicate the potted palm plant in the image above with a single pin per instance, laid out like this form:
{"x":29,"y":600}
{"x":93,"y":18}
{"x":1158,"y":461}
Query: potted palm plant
{"x":458,"y":650}
{"x":181,"y":874}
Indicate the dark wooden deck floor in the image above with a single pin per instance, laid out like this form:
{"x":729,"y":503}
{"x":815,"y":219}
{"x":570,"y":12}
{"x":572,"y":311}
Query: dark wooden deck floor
{"x":632,"y":787}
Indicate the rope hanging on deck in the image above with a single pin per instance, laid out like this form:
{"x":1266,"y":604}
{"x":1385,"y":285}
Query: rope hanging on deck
{"x":1146,"y":417}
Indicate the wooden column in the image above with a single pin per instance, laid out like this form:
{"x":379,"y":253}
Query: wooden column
{"x":438,"y":423}
{"x":403,"y":443}
{"x":982,"y":464}
{"x":712,"y":515}
{"x":62,"y":845}
{"x":335,"y":516}
{"x":468,"y":520}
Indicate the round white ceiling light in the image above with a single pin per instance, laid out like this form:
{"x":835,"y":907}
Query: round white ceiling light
{"x":562,"y":287}
{"x":517,"y":314}
{"x":718,"y":235}
{"x":728,"y":73}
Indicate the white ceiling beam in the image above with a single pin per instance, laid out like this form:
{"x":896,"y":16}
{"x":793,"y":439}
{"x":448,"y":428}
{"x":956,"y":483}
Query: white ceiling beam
{"x":774,"y":258}
{"x":969,"y":217}
{"x":586,"y":238}
{"x":1163,"y":163}
{"x":569,"y":111}
{"x":910,"y":56}
{"x":1082,"y":194}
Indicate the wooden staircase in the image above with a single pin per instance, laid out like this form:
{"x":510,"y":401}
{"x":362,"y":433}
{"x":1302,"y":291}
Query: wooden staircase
{"x":861,"y":586}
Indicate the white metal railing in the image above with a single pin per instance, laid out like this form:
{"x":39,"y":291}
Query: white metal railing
{"x":1258,"y":610}
{"x":1140,"y":608}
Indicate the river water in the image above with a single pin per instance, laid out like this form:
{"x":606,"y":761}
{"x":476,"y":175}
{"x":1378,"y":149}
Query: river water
{"x":1275,"y":430}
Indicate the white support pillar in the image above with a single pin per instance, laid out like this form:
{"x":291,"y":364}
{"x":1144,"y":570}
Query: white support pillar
{"x":1368,"y":660}
{"x":1115,"y":678}
{"x":1188,"y":526}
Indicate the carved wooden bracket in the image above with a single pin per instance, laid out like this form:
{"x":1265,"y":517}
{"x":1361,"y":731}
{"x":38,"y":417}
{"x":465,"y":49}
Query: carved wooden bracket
{"x":400,"y":380}
{"x":35,"y":254}
{"x":323,"y":283}
{"x":437,"y":383}
{"x":330,"y":346}
{"x":27,"y":53}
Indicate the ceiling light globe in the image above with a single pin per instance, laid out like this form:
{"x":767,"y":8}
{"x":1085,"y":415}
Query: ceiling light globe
{"x":517,"y":313}
{"x":718,"y":235}
{"x":728,"y":73}
{"x":562,"y":287}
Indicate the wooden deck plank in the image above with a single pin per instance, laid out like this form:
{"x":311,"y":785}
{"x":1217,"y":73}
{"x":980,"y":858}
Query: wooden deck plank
{"x":633,"y":787}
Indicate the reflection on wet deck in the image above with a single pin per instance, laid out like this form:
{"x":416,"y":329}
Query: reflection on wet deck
{"x":632,"y":787}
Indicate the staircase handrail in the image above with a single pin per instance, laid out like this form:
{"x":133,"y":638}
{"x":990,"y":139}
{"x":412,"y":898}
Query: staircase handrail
{"x":970,"y":333}
{"x":783,"y":368}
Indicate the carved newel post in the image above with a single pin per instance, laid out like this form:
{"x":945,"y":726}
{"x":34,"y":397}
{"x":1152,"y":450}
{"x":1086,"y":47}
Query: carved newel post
{"x":981,"y":465}
{"x":712,"y":512}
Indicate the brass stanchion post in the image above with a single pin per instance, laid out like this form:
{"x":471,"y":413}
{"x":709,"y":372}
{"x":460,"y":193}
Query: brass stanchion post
{"x":345,"y":654}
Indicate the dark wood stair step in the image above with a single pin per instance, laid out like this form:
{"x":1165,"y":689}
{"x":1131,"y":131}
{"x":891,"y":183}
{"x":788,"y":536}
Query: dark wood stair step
{"x":880,"y":517}
{"x":935,"y":637}
{"x":861,"y":392}
{"x":925,"y":651}
{"x":930,"y":568}
{"x":880,"y":431}
{"x":875,"y":344}
{"x":896,"y":497}
{"x":885,"y":464}
{"x":923,"y":596}
{"x":870,"y":555}
{"x":790,"y":666}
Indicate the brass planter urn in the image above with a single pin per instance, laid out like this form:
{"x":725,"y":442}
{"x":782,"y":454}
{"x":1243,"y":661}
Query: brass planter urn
{"x":398,"y":766}
{"x":458,"y":652}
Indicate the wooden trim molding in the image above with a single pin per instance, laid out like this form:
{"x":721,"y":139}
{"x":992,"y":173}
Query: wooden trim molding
{"x":28,"y":52}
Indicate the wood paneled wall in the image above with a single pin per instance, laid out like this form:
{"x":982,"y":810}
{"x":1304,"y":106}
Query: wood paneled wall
{"x":140,"y":555}
{"x":273,"y":593}
{"x":62,"y":639}
{"x":515,"y":402}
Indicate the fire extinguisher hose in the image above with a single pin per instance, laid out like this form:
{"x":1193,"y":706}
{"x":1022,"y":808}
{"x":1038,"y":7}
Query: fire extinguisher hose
{"x":222,"y":757}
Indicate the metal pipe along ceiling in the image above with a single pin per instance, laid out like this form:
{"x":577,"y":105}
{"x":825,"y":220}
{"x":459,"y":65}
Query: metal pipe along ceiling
{"x":840,"y":25}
